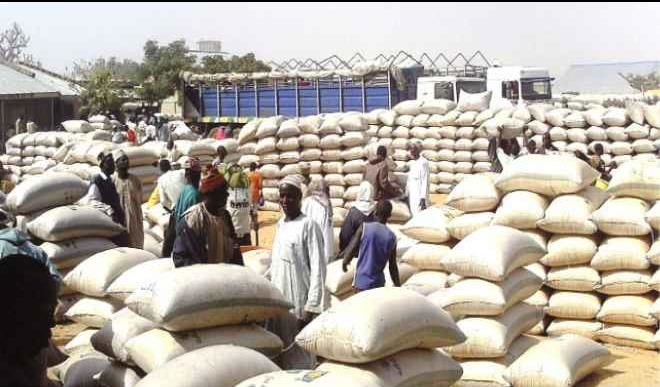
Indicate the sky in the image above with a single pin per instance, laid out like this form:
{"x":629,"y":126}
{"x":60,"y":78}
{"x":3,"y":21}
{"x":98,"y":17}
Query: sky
{"x":551,"y":35}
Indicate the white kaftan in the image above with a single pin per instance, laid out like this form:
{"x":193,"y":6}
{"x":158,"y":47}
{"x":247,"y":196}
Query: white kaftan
{"x":322,"y":216}
{"x":418,"y":184}
{"x":298,"y":270}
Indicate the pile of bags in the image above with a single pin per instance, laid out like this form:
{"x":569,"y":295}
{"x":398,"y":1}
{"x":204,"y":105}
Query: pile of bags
{"x":156,"y":319}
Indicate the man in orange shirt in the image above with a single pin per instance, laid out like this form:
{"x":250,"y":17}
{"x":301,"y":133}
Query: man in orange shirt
{"x":256,"y":181}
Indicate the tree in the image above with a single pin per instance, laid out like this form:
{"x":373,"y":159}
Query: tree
{"x":643,"y":83}
{"x":12,"y":42}
{"x":239,"y":64}
{"x":122,"y":70}
{"x":100,"y":95}
{"x":160,"y":69}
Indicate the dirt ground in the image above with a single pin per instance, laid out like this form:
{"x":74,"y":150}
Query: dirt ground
{"x":630,"y":367}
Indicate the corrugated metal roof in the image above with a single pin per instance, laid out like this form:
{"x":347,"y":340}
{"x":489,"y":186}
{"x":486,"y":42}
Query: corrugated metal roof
{"x":64,"y":87}
{"x":602,"y":78}
{"x":14,"y":82}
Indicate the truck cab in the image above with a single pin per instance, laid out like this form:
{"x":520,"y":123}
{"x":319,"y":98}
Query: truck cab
{"x":448,"y":87}
{"x":518,"y":84}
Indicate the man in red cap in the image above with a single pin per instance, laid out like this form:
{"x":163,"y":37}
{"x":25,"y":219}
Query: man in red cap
{"x":206,"y":233}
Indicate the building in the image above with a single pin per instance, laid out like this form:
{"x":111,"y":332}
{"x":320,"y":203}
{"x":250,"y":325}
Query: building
{"x":36,"y":94}
{"x":602,"y":78}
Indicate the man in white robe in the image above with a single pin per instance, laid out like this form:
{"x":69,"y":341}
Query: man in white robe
{"x":298,"y":267}
{"x":418,"y":181}
{"x":317,"y":206}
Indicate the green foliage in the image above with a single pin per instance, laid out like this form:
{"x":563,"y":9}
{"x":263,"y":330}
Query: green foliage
{"x":643,"y":82}
{"x":160,"y":69}
{"x":121,"y":70}
{"x":239,"y":64}
{"x":100,"y":95}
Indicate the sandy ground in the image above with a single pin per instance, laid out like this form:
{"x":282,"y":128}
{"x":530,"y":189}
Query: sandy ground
{"x":630,"y":367}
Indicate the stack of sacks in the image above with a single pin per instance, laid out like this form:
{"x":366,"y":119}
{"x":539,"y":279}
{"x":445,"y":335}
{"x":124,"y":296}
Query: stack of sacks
{"x":29,"y":155}
{"x":156,"y":221}
{"x":530,"y":183}
{"x":99,"y":122}
{"x":477,"y":197}
{"x":364,"y":342}
{"x":206,"y":150}
{"x":488,"y":298}
{"x":174,"y":312}
{"x":624,"y":260}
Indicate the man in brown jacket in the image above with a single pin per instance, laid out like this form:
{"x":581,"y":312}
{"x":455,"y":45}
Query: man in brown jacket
{"x":377,"y":173}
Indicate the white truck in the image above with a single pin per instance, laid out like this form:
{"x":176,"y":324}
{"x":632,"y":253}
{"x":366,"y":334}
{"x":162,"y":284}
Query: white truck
{"x":517,"y":84}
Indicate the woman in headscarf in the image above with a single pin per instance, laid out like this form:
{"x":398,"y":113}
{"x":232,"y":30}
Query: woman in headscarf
{"x":361,"y":212}
{"x":317,"y":207}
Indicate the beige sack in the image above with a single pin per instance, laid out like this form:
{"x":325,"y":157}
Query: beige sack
{"x":218,"y":366}
{"x":152,"y":349}
{"x":653,"y":216}
{"x":67,"y":254}
{"x":71,"y":222}
{"x":52,"y":190}
{"x":338,"y":282}
{"x":573,"y":305}
{"x":573,"y":278}
{"x":426,"y":282}
{"x":627,"y":336}
{"x":623,"y":282}
{"x":429,"y":226}
{"x":117,"y":331}
{"x":508,"y":249}
{"x":521,"y":210}
{"x":400,"y":212}
{"x":491,"y":337}
{"x":464,"y":225}
{"x":474,"y":194}
{"x":93,"y":276}
{"x":639,"y":178}
{"x":629,"y":310}
{"x":364,"y":328}
{"x":546,"y":175}
{"x":477,"y":297}
{"x":118,"y":375}
{"x":582,"y":328}
{"x":141,"y":274}
{"x":93,"y":312}
{"x":558,"y":362}
{"x":569,"y":250}
{"x":621,"y":253}
{"x":570,"y":214}
{"x":426,"y":256}
{"x":258,"y":260}
{"x":623,"y":217}
{"x":208,"y":295}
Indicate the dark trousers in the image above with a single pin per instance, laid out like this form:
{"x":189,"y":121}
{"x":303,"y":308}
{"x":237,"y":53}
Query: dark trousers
{"x":245,"y":240}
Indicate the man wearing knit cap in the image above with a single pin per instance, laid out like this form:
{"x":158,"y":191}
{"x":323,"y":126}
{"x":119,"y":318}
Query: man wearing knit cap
{"x":298,"y":267}
{"x":206,"y":234}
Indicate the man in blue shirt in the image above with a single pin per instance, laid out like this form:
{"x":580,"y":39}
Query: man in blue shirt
{"x":375,"y":245}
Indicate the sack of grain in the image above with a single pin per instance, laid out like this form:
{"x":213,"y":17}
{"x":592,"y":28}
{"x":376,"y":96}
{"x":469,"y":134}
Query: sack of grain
{"x":556,"y":117}
{"x":248,"y":132}
{"x":56,"y":189}
{"x":569,"y":250}
{"x":624,"y":282}
{"x":573,"y":278}
{"x":411,"y":107}
{"x":560,"y":327}
{"x":204,"y":296}
{"x":438,"y":106}
{"x":627,"y":336}
{"x":640,"y":179}
{"x":570,"y":214}
{"x":491,"y":337}
{"x":70,"y":253}
{"x":562,"y":361}
{"x":475,"y":194}
{"x":652,"y":115}
{"x":120,"y":328}
{"x":622,"y":217}
{"x":462,"y":226}
{"x":80,"y":343}
{"x":509,"y":249}
{"x":616,"y":133}
{"x":626,"y":309}
{"x":622,"y":253}
{"x":426,"y":256}
{"x":546,"y":175}
{"x":77,"y":126}
{"x":95,"y":274}
{"x":615,"y":117}
{"x":476,"y":297}
{"x":152,"y":349}
{"x":373,"y":332}
{"x":143,"y":273}
{"x":426,"y":282}
{"x":217,"y":365}
{"x":70,"y":222}
{"x":118,"y":375}
{"x":521,"y":210}
{"x":93,"y":312}
{"x":573,"y":305}
{"x":476,"y":102}
{"x":428,"y":226}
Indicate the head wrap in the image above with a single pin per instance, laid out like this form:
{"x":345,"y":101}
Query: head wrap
{"x":365,"y":201}
{"x":292,"y":180}
{"x":192,"y":163}
{"x":318,"y":190}
{"x":121,"y":159}
{"x":212,"y":181}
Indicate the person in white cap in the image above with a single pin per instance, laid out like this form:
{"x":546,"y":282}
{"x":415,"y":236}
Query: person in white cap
{"x":417,"y":185}
{"x":298,"y":267}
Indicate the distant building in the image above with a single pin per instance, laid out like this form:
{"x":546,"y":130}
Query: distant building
{"x":602,"y":78}
{"x":37,"y":94}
